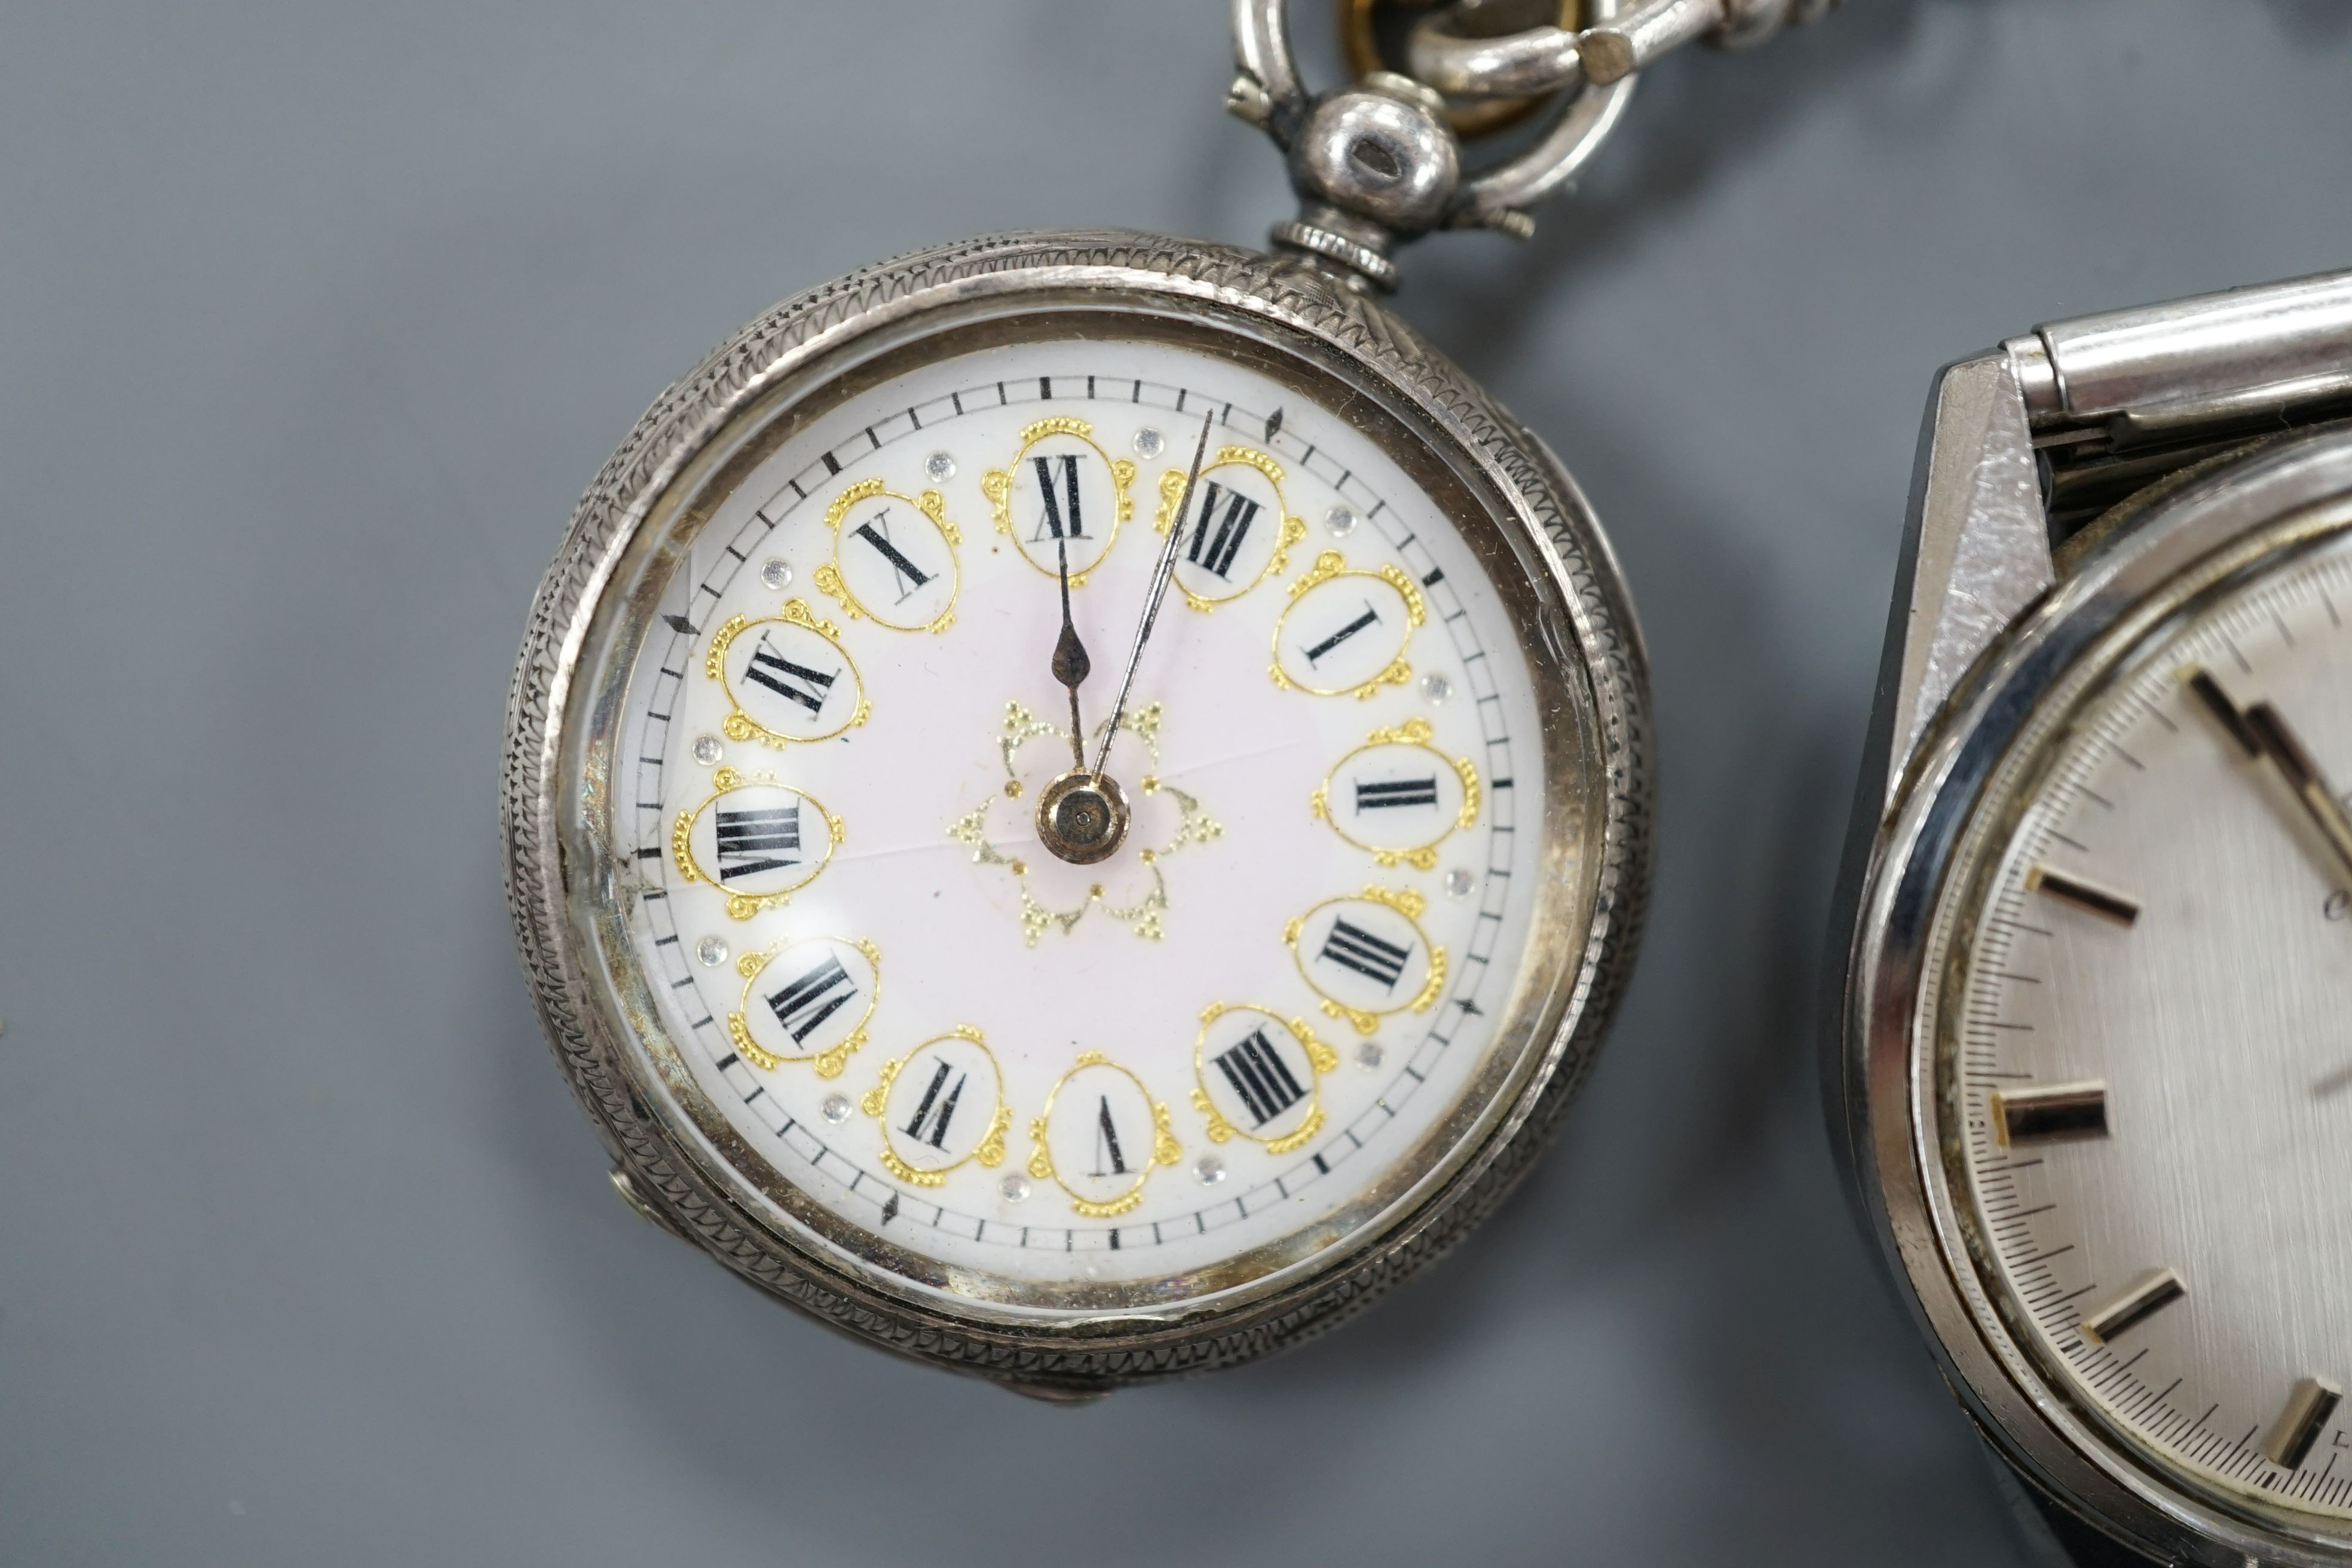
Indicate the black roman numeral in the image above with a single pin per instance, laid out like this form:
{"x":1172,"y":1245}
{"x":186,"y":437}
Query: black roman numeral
{"x":1107,"y":1141}
{"x":1369,"y":618}
{"x":808,"y":686}
{"x":876,"y":531}
{"x":751,"y":842}
{"x":1215,"y":552}
{"x":1352,"y":947}
{"x":1260,"y":1078}
{"x":1396,"y":792}
{"x":812,"y":998}
{"x":1061,"y":519}
{"x":932,"y":1116}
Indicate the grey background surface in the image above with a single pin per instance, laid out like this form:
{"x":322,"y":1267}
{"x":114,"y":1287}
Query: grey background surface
{"x":313,"y":323}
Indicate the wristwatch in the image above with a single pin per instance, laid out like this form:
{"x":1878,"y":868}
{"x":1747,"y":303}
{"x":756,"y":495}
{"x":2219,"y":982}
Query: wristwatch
{"x":2093,"y":1074}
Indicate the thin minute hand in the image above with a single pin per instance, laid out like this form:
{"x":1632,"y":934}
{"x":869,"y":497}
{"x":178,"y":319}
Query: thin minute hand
{"x":2264,"y":732}
{"x":2286,"y":753}
{"x":1159,"y":574}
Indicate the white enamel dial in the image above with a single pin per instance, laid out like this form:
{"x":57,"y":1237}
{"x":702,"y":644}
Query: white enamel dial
{"x":1223,"y":1041}
{"x":2148,"y":1046}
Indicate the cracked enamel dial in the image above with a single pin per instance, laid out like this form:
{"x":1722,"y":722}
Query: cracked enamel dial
{"x":2146,"y":1048}
{"x":897,"y":1014}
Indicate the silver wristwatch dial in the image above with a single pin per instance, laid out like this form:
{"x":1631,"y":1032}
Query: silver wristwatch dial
{"x":2139,"y":1041}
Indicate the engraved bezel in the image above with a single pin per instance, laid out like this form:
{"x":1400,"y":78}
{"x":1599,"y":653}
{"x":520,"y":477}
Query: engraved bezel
{"x":1928,"y":864}
{"x":1546,"y":557}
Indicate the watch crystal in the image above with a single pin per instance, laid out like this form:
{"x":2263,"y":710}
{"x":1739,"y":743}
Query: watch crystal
{"x":2144,"y":1052}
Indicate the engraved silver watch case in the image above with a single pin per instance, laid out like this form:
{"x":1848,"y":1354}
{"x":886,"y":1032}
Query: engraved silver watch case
{"x":2184,"y":448}
{"x":563,"y":876}
{"x":1376,"y":163}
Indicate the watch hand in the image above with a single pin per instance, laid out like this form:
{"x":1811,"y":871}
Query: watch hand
{"x":2261,"y":732}
{"x":1159,"y":574}
{"x":2287,"y":754}
{"x":1071,"y":665}
{"x":2224,"y":710}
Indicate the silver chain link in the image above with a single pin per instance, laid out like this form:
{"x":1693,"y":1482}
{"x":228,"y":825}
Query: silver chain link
{"x":1377,"y":162}
{"x":1449,"y":56}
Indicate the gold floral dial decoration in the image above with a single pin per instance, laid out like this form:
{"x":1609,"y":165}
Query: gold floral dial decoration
{"x":997,"y":831}
{"x":1397,"y":797}
{"x":1237,"y":531}
{"x":787,"y":678}
{"x":1366,"y":955}
{"x":1345,"y":631}
{"x":756,"y":840}
{"x":1099,"y":1137}
{"x":942,"y":1106}
{"x":894,"y":558}
{"x":1061,"y":488}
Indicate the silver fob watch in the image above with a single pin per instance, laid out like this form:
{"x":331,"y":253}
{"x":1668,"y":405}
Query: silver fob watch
{"x":2094,"y":1077}
{"x":1076,"y":805}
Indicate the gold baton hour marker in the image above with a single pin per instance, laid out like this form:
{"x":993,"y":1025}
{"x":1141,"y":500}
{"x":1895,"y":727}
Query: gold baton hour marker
{"x":2149,"y":1294}
{"x":2120,"y":908}
{"x":2298,"y":1425}
{"x":2049,"y":1113}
